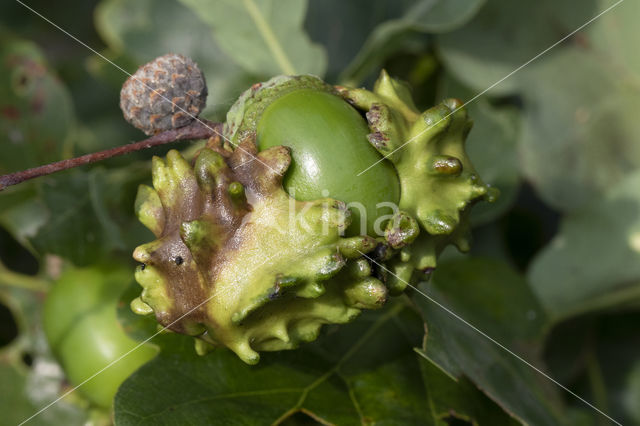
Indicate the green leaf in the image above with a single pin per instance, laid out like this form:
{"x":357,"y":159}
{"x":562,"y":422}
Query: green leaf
{"x":89,"y":213}
{"x":618,"y":355}
{"x":576,"y":147}
{"x":490,"y":296}
{"x":442,"y":16}
{"x":567,"y":117}
{"x":362,"y":372}
{"x":17,"y":405}
{"x":492,"y":147}
{"x":23,"y":213}
{"x":594,"y":261}
{"x":138,"y":32}
{"x":72,"y":230}
{"x":459,"y":398}
{"x":632,"y":394}
{"x":506,"y":34}
{"x":424,"y":16}
{"x":615,"y":35}
{"x":264,"y":37}
{"x":36,"y":113}
{"x":597,"y":356}
{"x":579,"y":138}
{"x":343,"y":26}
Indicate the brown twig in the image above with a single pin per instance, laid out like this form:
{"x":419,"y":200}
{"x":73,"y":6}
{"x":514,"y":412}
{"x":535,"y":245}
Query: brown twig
{"x":199,"y":129}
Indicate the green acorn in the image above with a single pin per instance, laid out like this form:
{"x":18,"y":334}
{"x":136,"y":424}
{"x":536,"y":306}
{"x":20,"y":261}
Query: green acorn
{"x":274,"y":231}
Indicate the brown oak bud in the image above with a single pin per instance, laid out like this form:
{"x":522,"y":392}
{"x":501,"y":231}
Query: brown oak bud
{"x":164,"y":94}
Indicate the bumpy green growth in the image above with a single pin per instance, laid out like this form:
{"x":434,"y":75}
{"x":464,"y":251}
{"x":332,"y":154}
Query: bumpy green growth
{"x":437,"y":180}
{"x":238,"y":262}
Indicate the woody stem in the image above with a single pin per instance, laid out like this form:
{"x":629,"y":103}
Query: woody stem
{"x":199,"y":129}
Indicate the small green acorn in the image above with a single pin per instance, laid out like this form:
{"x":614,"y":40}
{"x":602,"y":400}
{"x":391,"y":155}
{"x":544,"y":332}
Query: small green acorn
{"x":328,"y":141}
{"x":256,"y":246}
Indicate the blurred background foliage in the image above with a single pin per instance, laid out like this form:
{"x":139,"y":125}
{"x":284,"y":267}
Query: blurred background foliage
{"x":554,"y":273}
